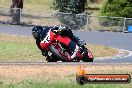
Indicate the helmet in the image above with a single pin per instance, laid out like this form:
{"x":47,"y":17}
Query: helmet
{"x":36,"y":31}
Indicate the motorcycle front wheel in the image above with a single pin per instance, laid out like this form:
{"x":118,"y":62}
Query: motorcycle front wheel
{"x":51,"y":58}
{"x":88,"y":56}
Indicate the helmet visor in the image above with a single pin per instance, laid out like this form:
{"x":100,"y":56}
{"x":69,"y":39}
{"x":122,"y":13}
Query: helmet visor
{"x":35,"y":35}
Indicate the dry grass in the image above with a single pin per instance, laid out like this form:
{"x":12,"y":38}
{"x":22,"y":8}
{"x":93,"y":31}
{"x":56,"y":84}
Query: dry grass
{"x":17,"y":39}
{"x":30,"y":4}
{"x":57,"y":73}
{"x":102,"y":51}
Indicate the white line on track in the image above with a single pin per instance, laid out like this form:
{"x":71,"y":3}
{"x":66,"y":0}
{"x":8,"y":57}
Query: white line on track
{"x":122,"y":54}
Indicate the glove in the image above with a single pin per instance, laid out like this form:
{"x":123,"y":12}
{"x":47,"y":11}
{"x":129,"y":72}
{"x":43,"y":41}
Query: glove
{"x":56,"y":30}
{"x":62,"y":28}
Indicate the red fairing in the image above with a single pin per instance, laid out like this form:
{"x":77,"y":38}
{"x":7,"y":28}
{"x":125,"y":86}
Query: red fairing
{"x":44,"y":45}
{"x":64,"y":40}
{"x":47,"y":40}
{"x":52,"y":36}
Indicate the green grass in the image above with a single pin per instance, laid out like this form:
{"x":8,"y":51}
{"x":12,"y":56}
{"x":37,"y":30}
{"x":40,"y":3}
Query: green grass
{"x":16,"y":48}
{"x":11,"y":51}
{"x":33,"y":84}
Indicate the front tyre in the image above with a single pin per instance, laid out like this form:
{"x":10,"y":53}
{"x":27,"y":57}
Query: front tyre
{"x":56,"y":53}
{"x":51,"y":58}
{"x":88,"y":56}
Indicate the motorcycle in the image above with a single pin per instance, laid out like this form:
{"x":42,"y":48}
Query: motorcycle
{"x":57,"y":51}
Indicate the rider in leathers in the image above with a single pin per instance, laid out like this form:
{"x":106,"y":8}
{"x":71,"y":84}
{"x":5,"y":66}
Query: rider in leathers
{"x":63,"y":32}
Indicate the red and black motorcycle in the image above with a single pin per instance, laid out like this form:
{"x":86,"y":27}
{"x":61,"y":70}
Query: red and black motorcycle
{"x":58,"y":51}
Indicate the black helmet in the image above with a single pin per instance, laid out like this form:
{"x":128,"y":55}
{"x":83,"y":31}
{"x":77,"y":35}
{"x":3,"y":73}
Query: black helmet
{"x":36,"y":31}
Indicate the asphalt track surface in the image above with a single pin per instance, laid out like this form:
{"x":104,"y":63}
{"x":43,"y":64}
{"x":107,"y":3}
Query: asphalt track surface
{"x":112,"y":39}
